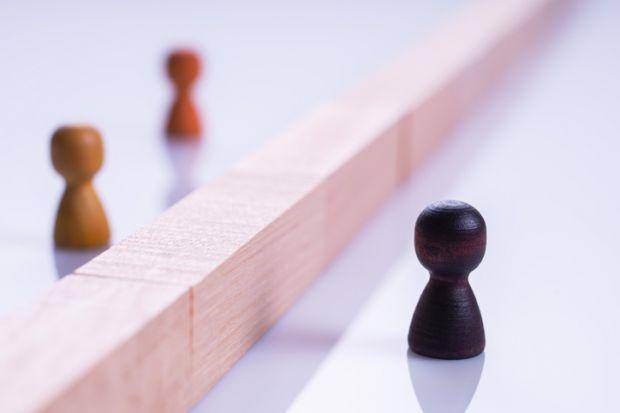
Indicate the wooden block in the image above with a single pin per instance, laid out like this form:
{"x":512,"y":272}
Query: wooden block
{"x":322,"y":142}
{"x":202,"y":231}
{"x":98,"y":345}
{"x":239,"y":301}
{"x":352,"y":150}
{"x":247,"y":246}
{"x":357,"y":189}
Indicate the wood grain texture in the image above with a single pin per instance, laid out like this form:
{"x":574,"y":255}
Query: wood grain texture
{"x":350,"y":150}
{"x":240,"y":300}
{"x":98,"y":345}
{"x":201,"y":232}
{"x":249,"y":243}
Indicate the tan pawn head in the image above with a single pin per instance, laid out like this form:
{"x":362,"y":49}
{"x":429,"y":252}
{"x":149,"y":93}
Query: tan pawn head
{"x":77,"y":154}
{"x":183,"y":121}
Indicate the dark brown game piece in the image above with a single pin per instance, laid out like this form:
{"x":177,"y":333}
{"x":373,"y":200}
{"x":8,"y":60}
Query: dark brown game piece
{"x":450,"y":241}
{"x":183,"y":121}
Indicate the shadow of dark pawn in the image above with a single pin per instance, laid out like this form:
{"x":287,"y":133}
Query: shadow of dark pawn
{"x":450,"y":241}
{"x":444,"y":386}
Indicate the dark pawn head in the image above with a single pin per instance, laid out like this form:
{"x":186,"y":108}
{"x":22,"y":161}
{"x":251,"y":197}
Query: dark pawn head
{"x":183,"y":67}
{"x":450,"y":238}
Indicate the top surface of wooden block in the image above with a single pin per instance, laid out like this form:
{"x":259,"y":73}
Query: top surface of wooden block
{"x":107,"y":328}
{"x":204,"y":230}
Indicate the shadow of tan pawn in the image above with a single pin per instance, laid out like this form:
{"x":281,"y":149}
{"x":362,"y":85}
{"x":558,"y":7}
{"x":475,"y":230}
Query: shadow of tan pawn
{"x":77,"y":154}
{"x":183,"y":121}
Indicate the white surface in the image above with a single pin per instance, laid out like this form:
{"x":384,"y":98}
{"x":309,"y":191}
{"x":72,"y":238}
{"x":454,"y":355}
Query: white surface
{"x":267,"y":63}
{"x":540,"y":161}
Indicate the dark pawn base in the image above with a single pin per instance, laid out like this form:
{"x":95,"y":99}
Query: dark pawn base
{"x":447,"y":323}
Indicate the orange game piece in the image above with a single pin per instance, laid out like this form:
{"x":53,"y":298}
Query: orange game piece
{"x":183,"y":121}
{"x":77,"y":154}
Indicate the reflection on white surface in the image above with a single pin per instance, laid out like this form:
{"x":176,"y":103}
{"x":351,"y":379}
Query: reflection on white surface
{"x":184,"y":156}
{"x":66,"y":261}
{"x":444,"y":386}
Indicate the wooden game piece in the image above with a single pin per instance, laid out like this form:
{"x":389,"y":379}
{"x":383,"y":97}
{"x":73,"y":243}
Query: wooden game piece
{"x":246,"y":245}
{"x":77,"y":154}
{"x":98,"y":345}
{"x":183,"y":121}
{"x":450,"y":241}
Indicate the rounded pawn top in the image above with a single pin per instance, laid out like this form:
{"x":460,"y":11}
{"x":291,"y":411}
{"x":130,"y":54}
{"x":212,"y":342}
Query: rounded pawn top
{"x":183,"y":67}
{"x":450,"y":238}
{"x":77,"y":152}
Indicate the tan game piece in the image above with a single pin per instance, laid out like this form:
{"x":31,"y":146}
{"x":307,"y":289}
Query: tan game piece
{"x":183,"y":121}
{"x":77,"y":154}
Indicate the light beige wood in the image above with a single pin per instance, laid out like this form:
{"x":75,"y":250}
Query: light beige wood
{"x":202,"y":231}
{"x":98,"y":345}
{"x":259,"y":241}
{"x":249,"y":243}
{"x":351,"y":150}
{"x":237,"y":302}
